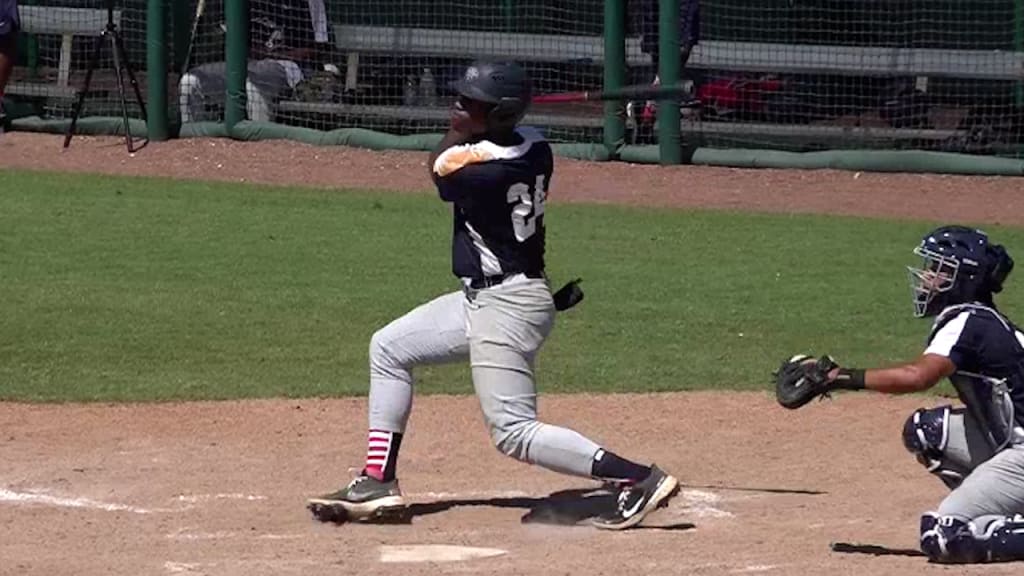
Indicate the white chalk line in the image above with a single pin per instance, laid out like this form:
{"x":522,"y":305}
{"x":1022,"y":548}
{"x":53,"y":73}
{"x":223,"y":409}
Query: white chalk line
{"x":181,"y":567}
{"x":697,"y":503}
{"x":186,"y":534}
{"x":700,"y":503}
{"x":40,"y":497}
{"x":248,"y":564}
{"x":191,"y":533}
{"x":755,"y":568}
{"x":476,"y":495}
{"x":196,"y":498}
{"x":435,"y":553}
{"x":734,"y":569}
{"x":45,"y":498}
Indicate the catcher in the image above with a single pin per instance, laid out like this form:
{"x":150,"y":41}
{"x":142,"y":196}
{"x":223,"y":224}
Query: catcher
{"x":976,"y":449}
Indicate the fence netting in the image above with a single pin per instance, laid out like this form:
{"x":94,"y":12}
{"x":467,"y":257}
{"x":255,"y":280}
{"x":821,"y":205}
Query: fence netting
{"x":781,"y":74}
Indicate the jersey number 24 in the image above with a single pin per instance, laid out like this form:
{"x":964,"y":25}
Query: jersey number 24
{"x":529,"y":205}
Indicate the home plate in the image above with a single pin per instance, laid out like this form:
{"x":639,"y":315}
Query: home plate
{"x":435,"y":553}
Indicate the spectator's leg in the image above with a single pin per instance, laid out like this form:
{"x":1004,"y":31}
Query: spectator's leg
{"x":268,"y":80}
{"x":684,"y":56}
{"x":199,"y":87}
{"x":256,"y":105}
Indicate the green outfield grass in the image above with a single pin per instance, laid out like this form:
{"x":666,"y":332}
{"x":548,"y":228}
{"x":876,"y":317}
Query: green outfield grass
{"x":122,"y":289}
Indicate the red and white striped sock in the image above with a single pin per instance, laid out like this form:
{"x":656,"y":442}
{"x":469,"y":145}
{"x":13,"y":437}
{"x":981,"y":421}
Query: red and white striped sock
{"x":382,"y":454}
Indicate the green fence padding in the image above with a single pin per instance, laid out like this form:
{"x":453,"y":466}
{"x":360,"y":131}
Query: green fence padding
{"x":362,"y":138}
{"x":91,"y":126}
{"x":591,"y":152}
{"x":649,"y":154}
{"x":863,"y":160}
{"x":203,"y":130}
{"x":356,"y":137}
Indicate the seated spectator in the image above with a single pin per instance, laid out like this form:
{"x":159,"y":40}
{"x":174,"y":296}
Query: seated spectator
{"x":288,"y":40}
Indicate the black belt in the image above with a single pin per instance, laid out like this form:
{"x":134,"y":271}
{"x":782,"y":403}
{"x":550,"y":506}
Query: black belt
{"x":488,"y":281}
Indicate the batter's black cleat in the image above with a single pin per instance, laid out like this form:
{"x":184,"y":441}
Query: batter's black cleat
{"x":364,"y":499}
{"x":637,"y":501}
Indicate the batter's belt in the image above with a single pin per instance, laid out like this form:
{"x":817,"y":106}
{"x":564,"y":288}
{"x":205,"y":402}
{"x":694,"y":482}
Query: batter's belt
{"x":488,"y":281}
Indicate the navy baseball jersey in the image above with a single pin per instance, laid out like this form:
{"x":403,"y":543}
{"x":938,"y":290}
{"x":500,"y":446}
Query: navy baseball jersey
{"x":988,"y":352}
{"x":498,"y":195}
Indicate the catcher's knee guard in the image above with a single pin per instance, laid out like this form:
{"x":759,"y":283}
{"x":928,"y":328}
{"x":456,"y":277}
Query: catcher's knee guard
{"x":925,"y":435}
{"x":951,"y":539}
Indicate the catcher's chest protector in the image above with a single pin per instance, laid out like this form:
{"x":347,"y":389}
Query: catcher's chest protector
{"x":988,"y":351}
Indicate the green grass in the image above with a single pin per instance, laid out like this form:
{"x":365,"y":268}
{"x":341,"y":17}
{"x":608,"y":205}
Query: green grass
{"x":121,"y":289}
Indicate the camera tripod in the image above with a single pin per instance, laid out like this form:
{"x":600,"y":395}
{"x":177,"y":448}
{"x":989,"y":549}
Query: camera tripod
{"x":122,"y":66}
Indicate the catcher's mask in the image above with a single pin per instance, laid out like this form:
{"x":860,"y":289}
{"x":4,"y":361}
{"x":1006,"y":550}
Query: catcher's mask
{"x":503,"y":85}
{"x":960,"y":265}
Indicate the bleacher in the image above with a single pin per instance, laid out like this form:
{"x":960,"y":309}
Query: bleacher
{"x":723,"y":56}
{"x":67,"y":23}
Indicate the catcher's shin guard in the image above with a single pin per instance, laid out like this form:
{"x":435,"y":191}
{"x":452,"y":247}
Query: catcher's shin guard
{"x":953,"y":540}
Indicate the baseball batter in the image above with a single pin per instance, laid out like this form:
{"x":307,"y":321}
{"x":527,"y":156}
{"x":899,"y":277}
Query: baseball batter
{"x":976,"y":449}
{"x":496,"y":176}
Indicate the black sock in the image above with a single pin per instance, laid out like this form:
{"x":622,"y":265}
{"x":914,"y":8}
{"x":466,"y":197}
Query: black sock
{"x":610,"y":466}
{"x":382,"y":454}
{"x":391,"y":467}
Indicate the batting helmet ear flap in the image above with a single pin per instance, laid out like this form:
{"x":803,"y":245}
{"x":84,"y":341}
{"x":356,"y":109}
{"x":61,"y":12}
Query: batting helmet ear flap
{"x":1002,"y":265}
{"x":507,"y":112}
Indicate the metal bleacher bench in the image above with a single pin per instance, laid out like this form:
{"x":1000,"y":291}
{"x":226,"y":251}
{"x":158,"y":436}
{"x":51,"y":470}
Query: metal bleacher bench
{"x":708,"y":54}
{"x":66,"y":23}
{"x":716,"y":54}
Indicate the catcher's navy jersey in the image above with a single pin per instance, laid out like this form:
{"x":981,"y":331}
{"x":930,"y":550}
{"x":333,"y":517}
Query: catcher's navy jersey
{"x":988,"y":351}
{"x":498,"y":194}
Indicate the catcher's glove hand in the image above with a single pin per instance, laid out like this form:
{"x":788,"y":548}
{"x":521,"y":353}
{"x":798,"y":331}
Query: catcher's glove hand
{"x":801,"y":378}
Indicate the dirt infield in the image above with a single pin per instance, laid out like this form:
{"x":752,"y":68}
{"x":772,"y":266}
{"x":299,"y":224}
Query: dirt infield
{"x":219,"y":488}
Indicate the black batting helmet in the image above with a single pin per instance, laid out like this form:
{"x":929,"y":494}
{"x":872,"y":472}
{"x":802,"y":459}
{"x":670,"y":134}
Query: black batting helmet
{"x":503,"y":84}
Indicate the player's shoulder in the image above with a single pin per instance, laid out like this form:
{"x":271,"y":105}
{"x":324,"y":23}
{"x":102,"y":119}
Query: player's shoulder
{"x":975,"y":320}
{"x":487,"y":154}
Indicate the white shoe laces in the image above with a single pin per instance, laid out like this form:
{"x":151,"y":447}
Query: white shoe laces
{"x":357,"y":480}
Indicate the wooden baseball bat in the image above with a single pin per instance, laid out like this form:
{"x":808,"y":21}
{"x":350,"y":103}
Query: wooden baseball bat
{"x":187,"y":60}
{"x":634,"y":92}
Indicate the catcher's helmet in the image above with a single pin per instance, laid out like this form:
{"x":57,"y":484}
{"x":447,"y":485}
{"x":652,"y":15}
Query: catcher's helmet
{"x":503,"y":84}
{"x":960,"y":265}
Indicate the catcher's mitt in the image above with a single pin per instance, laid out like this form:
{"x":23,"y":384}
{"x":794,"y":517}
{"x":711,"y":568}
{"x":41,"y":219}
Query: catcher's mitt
{"x":801,"y":378}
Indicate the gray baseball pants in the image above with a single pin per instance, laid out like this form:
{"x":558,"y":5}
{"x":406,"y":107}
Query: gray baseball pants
{"x":204,"y":85}
{"x":500,"y":330}
{"x":995,"y":485}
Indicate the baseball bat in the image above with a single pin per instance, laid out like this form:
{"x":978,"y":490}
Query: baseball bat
{"x":634,"y":92}
{"x":200,"y":8}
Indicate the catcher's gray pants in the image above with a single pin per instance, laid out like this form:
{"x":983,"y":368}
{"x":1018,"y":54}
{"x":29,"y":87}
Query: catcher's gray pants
{"x":995,"y":485}
{"x":500,"y":329}
{"x":204,"y":85}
